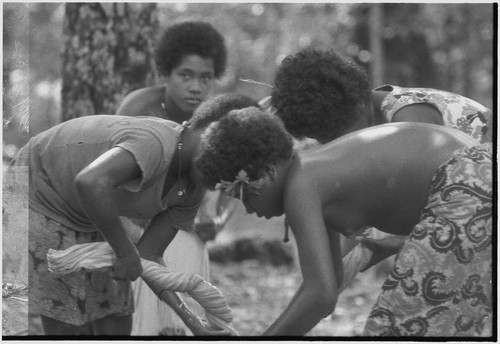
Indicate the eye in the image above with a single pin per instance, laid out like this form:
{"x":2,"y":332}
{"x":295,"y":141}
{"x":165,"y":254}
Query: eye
{"x":185,"y":75}
{"x":207,"y":77}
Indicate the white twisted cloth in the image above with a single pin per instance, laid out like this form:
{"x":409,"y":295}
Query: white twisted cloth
{"x":99,"y":255}
{"x":359,"y":257}
{"x":355,"y":261}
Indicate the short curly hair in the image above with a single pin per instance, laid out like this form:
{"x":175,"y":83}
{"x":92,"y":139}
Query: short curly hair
{"x":247,"y":139}
{"x":215,"y":107}
{"x":191,"y":37}
{"x":317,"y":92}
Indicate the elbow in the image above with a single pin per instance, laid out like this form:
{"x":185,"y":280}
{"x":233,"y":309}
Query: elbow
{"x":87,"y":184}
{"x":325,"y":301}
{"x":328,"y":305}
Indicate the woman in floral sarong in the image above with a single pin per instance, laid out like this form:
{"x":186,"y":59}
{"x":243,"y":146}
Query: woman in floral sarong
{"x":322,"y":95}
{"x":422,"y":180}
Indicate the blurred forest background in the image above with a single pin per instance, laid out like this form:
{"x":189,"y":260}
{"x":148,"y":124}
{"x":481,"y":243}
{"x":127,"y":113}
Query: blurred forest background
{"x":84,"y":58}
{"x":68,"y":60}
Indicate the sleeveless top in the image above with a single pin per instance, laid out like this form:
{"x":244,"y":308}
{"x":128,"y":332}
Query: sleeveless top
{"x":458,"y":111}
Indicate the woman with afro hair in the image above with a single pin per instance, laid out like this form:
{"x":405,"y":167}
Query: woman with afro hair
{"x":189,"y":57}
{"x":322,"y":95}
{"x":425,"y":181}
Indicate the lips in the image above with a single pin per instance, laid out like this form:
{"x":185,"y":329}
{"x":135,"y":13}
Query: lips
{"x":193,"y":101}
{"x":261,"y":216}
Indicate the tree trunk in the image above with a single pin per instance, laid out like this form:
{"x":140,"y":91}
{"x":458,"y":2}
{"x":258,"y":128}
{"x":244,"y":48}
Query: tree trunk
{"x":108,"y":52}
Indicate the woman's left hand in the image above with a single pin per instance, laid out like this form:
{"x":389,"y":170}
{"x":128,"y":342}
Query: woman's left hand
{"x":207,"y":229}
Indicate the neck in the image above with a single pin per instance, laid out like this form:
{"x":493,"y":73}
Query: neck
{"x":377,"y":97}
{"x":190,"y":146}
{"x":173,"y":111}
{"x":364,"y":121}
{"x":283,"y":167}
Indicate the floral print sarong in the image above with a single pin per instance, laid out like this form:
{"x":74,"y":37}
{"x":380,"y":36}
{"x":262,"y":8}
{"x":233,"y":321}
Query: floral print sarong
{"x":73,"y":299}
{"x":441,"y":281}
{"x":458,"y":111}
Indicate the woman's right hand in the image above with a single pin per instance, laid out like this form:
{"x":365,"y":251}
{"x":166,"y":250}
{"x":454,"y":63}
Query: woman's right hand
{"x":382,"y":248}
{"x":127,"y":267}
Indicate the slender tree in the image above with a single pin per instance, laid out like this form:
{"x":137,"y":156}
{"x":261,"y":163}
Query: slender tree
{"x":108,"y":51}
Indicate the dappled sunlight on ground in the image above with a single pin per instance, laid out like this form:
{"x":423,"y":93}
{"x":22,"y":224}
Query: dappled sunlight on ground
{"x":257,"y":293}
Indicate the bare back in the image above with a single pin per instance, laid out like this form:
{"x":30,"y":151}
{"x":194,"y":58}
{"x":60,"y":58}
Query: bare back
{"x":379,"y":176}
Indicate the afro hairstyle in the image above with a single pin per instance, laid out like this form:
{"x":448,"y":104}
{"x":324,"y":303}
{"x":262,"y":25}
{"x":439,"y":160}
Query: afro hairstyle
{"x":214,"y":108}
{"x":188,"y":38}
{"x":247,"y":139}
{"x":317,"y":93}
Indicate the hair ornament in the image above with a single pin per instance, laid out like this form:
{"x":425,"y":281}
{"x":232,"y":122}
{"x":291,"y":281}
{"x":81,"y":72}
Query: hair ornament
{"x":240,"y":181}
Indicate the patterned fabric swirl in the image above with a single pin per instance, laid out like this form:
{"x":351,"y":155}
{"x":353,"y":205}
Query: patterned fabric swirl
{"x":441,"y":281}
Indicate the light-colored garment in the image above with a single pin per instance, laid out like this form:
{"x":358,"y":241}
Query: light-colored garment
{"x":186,"y":253}
{"x":57,"y":155}
{"x":152,"y":317}
{"x":458,"y":112}
{"x":441,"y":281}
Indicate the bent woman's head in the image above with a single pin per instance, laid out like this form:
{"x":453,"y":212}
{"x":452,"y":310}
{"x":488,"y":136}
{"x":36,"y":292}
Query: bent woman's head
{"x":319,"y":93}
{"x":239,"y":154}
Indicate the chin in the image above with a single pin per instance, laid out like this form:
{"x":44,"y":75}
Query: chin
{"x":277,"y":214}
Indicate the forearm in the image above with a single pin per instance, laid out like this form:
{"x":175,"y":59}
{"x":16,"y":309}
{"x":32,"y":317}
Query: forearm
{"x":156,"y":238}
{"x":102,"y":211}
{"x":303,"y":313}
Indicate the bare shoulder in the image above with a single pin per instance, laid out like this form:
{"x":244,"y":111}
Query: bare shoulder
{"x":310,"y":175}
{"x":139,"y":102}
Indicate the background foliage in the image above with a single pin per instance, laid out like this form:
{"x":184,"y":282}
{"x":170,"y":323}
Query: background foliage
{"x":447,"y":46}
{"x":66,"y":60}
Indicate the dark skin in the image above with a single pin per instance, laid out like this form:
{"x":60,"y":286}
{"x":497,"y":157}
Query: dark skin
{"x":95,"y":185}
{"x":423,"y":113}
{"x":193,"y":78}
{"x":342,"y":188}
{"x":371,"y":115}
{"x":185,"y":87}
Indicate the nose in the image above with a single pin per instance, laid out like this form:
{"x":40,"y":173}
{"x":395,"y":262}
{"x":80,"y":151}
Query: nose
{"x":249,"y":209}
{"x":195,"y":86}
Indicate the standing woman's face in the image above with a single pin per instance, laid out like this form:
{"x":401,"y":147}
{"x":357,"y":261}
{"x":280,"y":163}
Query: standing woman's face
{"x":191,"y":82}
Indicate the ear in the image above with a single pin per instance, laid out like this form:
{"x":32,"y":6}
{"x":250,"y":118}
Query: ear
{"x":271,"y":171}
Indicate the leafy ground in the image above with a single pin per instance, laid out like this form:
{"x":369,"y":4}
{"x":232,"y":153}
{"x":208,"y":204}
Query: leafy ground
{"x":256,"y":290}
{"x":14,"y":309}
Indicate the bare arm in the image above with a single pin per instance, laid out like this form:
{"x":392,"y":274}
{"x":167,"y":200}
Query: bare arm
{"x":156,"y":239}
{"x":95,"y":185}
{"x":317,"y":296}
{"x":382,"y":248}
{"x":423,"y":113}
